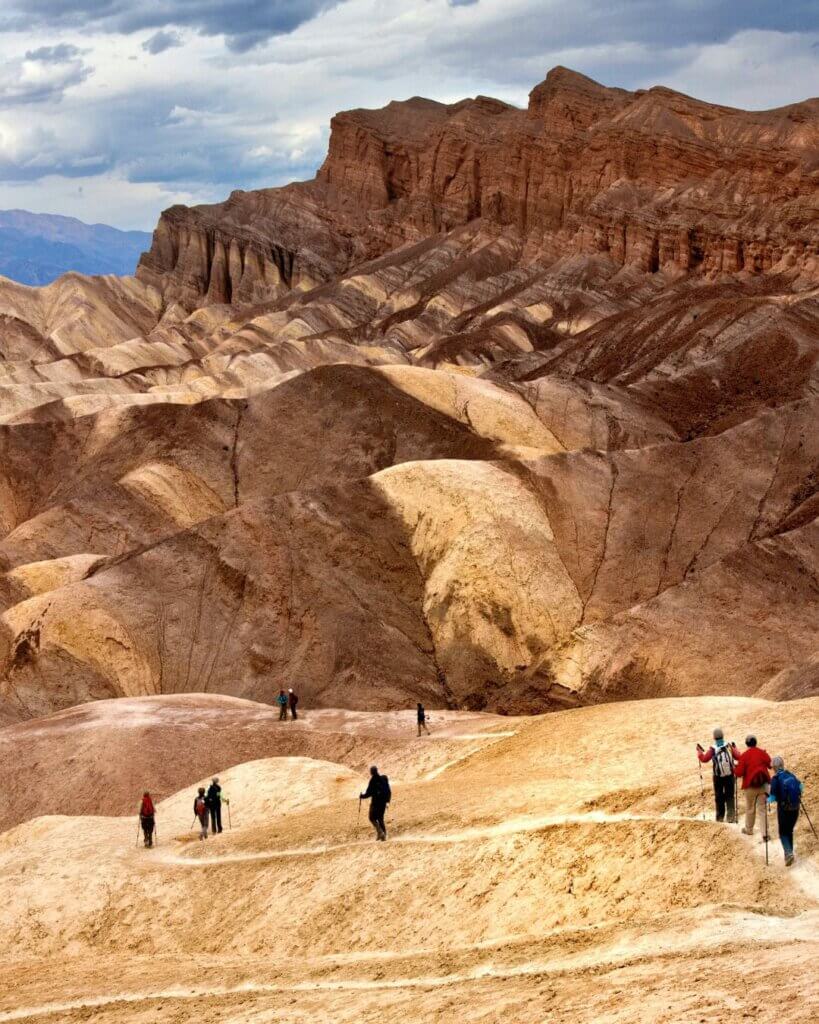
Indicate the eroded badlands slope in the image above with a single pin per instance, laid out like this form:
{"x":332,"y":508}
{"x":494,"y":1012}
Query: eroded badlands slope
{"x":506,"y":410}
{"x":542,"y":871}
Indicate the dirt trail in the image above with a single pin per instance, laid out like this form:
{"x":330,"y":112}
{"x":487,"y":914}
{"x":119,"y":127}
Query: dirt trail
{"x":533,"y":872}
{"x":465,"y":836}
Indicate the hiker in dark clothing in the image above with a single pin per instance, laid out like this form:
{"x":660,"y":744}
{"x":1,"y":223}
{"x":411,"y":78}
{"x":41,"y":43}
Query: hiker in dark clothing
{"x":379,"y":794}
{"x":281,"y":700}
{"x":722,"y":761}
{"x":213,"y":799}
{"x":294,"y":702}
{"x":786,"y":793}
{"x":422,"y":719}
{"x":147,"y":818}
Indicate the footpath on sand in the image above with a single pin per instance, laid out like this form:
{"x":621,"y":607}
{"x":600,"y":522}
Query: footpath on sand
{"x":546,"y":861}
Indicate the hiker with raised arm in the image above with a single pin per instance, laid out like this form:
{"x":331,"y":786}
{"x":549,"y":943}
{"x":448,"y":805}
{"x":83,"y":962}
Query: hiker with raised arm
{"x":722,"y":762}
{"x":213,"y":798}
{"x":147,"y":819}
{"x":379,"y":794}
{"x":281,"y":700}
{"x":422,"y":718}
{"x":786,"y":793}
{"x":200,"y":811}
{"x":752,"y":767}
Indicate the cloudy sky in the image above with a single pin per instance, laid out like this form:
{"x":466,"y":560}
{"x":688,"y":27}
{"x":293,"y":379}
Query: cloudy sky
{"x":111,"y":110}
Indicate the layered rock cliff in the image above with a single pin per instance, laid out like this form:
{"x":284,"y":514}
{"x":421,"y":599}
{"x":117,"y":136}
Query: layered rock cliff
{"x":486,"y":415}
{"x":651,"y":178}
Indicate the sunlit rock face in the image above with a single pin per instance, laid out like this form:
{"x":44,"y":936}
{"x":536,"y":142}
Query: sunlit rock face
{"x":507,"y":409}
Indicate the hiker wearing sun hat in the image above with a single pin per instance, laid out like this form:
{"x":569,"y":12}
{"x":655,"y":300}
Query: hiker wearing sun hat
{"x":786,"y":793}
{"x":722,"y":762}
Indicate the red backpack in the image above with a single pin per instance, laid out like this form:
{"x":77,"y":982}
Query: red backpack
{"x":147,"y":808}
{"x":200,"y":807}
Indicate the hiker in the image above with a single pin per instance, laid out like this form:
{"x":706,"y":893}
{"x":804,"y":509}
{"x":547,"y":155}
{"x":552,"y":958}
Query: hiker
{"x":213,"y":799}
{"x":281,"y":700}
{"x":786,"y":793}
{"x":200,"y":810}
{"x":379,"y":794}
{"x":422,"y":719}
{"x":722,"y":762}
{"x":294,"y":701}
{"x":147,"y":814}
{"x":752,"y":767}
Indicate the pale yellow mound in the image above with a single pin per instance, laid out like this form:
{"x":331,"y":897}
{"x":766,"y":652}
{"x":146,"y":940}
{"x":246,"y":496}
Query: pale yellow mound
{"x":259,"y":790}
{"x":568,"y":867}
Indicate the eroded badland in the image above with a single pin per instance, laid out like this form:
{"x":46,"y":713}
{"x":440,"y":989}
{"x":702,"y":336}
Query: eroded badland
{"x":511,"y":412}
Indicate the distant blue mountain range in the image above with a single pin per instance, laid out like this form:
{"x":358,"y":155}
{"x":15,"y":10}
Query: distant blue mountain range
{"x":35,"y":248}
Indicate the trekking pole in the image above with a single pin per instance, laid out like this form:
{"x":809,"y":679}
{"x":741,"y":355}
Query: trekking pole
{"x":702,"y":793}
{"x":767,"y":831}
{"x":139,"y":826}
{"x":358,"y":819}
{"x":230,"y":823}
{"x":156,"y":835}
{"x":807,"y":816}
{"x":193,"y":822}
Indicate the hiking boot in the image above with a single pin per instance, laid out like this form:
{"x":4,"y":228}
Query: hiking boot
{"x":789,"y":860}
{"x":746,"y":832}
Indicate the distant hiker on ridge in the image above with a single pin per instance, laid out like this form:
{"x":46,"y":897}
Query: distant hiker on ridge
{"x":294,"y":701}
{"x":147,"y":819}
{"x":200,"y":811}
{"x":281,"y":700}
{"x":752,"y":767}
{"x":722,"y":761}
{"x":379,"y":794}
{"x":786,"y":793}
{"x":422,"y":719}
{"x":214,"y":801}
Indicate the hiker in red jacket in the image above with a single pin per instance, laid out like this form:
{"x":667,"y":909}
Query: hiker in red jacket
{"x":147,"y":814}
{"x":752,"y":767}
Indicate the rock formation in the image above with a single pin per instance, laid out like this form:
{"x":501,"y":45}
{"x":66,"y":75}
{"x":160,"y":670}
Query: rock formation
{"x":506,"y":410}
{"x":651,"y":179}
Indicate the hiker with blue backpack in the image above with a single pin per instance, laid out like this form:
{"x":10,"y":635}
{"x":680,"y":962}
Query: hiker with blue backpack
{"x":722,"y":761}
{"x":786,"y":793}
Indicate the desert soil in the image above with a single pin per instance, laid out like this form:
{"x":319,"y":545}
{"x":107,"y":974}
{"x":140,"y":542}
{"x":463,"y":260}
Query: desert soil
{"x":561,"y":868}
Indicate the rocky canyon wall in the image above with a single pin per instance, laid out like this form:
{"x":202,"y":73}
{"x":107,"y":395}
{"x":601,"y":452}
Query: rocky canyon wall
{"x":651,"y":178}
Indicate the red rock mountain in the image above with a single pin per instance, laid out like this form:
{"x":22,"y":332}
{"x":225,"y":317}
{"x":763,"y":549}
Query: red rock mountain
{"x":651,"y":179}
{"x":506,"y":409}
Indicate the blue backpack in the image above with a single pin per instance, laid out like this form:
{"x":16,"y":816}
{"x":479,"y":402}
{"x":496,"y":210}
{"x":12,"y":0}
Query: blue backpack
{"x":791,"y":791}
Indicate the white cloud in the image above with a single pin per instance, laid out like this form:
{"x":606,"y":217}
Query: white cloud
{"x":144,"y":128}
{"x":41,"y":75}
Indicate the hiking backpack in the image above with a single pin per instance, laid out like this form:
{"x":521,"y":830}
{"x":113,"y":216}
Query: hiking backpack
{"x":200,"y":807}
{"x":386,"y":792}
{"x":791,"y":789}
{"x":723,"y":762}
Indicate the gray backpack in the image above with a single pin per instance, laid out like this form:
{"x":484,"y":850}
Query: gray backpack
{"x":723,"y":762}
